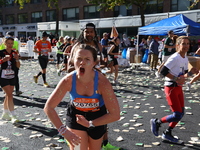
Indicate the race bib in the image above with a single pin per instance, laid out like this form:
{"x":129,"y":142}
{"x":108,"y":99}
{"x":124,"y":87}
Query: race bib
{"x":86,"y":104}
{"x":7,"y":74}
{"x":169,"y":49}
{"x":44,"y":52}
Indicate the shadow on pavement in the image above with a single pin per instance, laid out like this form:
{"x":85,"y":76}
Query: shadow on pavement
{"x":36,"y":102}
{"x":194,"y":146}
{"x":46,"y":131}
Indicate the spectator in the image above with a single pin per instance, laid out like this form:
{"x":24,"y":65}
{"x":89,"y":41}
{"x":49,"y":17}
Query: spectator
{"x":30,"y":47}
{"x":125,"y":41}
{"x":154,"y":51}
{"x":104,"y":44}
{"x":149,"y":40}
{"x":51,"y":37}
{"x":143,"y":46}
{"x":169,"y":49}
{"x":37,"y":39}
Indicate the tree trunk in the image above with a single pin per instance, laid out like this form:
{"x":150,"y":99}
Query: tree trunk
{"x":142,"y":16}
{"x":57,"y":22}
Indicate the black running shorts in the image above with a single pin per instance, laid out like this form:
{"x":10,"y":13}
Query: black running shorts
{"x":5,"y":82}
{"x":95,"y":133}
{"x":43,"y":61}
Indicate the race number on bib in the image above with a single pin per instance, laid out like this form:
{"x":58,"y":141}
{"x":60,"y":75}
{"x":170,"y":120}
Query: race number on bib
{"x":44,"y":52}
{"x":86,"y":104}
{"x":7,"y":74}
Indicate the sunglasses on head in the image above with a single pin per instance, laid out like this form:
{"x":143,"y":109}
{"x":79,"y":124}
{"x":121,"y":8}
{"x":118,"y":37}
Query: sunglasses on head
{"x":8,"y":37}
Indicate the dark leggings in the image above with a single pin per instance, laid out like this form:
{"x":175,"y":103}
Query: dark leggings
{"x":58,"y":58}
{"x":16,"y":79}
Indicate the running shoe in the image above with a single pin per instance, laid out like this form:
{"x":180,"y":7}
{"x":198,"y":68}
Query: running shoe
{"x":14,"y":119}
{"x":35,"y":78}
{"x":17,"y":93}
{"x":59,"y":72}
{"x":168,"y":137}
{"x":115,"y":82}
{"x":6,"y":116}
{"x":154,"y":126}
{"x":46,"y":84}
{"x":67,"y":142}
{"x":157,"y":74}
{"x":108,"y":146}
{"x":188,"y":86}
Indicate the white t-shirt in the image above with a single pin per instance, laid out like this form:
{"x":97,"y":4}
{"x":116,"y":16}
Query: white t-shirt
{"x":177,"y":66}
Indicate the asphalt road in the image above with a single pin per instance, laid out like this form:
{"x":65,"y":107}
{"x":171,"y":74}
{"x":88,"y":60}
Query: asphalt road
{"x":140,"y":97}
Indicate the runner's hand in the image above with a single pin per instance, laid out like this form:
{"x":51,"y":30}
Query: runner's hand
{"x":82,"y":121}
{"x":72,"y":138}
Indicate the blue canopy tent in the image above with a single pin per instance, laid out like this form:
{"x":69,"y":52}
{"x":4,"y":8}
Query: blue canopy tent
{"x":180,"y":24}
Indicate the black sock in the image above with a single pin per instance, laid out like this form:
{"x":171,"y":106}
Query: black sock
{"x":39,"y":74}
{"x":105,"y":142}
{"x":169,"y":130}
{"x":44,"y":77}
{"x":158,"y":121}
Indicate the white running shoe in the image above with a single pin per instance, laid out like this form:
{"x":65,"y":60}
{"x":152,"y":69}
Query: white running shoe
{"x":6,"y":116}
{"x":157,"y":74}
{"x":14,"y":119}
{"x":188,"y":86}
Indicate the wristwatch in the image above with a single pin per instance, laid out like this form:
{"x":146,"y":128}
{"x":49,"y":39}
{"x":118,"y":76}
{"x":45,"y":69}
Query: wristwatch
{"x":91,"y":126}
{"x":175,"y":78}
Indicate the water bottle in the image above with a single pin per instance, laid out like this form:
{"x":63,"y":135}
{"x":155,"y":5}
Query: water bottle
{"x":77,"y":147}
{"x":104,"y":70}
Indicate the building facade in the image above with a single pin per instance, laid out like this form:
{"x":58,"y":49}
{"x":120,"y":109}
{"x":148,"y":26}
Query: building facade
{"x":36,"y":16}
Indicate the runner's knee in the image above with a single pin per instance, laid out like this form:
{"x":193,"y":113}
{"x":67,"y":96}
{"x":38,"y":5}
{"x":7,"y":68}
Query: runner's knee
{"x":177,"y":116}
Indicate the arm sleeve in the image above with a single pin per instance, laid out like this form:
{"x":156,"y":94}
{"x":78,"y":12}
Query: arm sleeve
{"x":164,"y":71}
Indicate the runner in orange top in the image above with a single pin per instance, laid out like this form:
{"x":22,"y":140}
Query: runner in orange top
{"x":42,"y":47}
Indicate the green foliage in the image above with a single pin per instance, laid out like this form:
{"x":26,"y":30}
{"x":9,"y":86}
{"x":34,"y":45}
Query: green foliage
{"x":51,"y":3}
{"x":21,"y":3}
{"x":110,"y":4}
{"x":3,"y":3}
{"x":193,"y":4}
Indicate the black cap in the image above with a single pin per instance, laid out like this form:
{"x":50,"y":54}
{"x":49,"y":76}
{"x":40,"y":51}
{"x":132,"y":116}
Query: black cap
{"x":44,"y":34}
{"x":169,"y":32}
{"x":89,"y":25}
{"x":10,"y":33}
